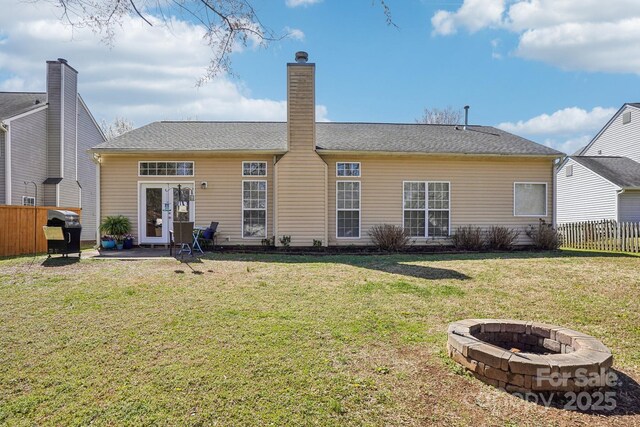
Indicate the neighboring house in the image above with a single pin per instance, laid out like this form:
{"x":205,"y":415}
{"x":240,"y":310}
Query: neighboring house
{"x":44,"y":138}
{"x":329,"y":182}
{"x":602,"y":180}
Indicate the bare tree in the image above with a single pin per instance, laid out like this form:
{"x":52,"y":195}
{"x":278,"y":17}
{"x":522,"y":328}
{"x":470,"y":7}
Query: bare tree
{"x":116,"y":128}
{"x":227,"y":23}
{"x":440,"y":116}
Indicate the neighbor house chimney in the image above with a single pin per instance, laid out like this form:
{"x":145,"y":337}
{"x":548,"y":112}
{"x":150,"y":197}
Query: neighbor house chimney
{"x":62,"y":115}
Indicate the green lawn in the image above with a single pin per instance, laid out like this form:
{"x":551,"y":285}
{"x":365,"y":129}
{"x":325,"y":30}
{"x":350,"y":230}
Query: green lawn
{"x":293,"y":340}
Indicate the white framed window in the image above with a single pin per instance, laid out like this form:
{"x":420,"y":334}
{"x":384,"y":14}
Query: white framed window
{"x":348,"y":209}
{"x":569,"y":170}
{"x":426,"y":208}
{"x":530,"y":199}
{"x":254,"y":168}
{"x":626,"y":117}
{"x":254,"y":209}
{"x":165,"y":169}
{"x":28,"y":201}
{"x":414,"y":205}
{"x":349,"y":169}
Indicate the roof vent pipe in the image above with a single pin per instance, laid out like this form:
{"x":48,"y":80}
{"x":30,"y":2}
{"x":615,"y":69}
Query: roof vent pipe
{"x":466,"y":117}
{"x":302,"y":57}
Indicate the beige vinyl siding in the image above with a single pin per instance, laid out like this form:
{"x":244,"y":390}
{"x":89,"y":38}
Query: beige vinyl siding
{"x":629,"y":206}
{"x":481,"y":189}
{"x":221,"y":201}
{"x":28,"y":155}
{"x":301,"y":203}
{"x":88,"y":136}
{"x":584,"y":196}
{"x":619,"y":139}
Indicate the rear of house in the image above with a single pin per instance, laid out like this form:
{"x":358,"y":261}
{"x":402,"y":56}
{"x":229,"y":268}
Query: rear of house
{"x":326,"y":183}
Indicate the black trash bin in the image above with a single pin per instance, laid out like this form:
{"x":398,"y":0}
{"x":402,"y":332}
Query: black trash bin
{"x":66,"y":240}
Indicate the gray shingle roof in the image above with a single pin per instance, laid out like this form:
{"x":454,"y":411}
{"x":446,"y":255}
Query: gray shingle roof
{"x":14,"y":103}
{"x":442,"y":139}
{"x":621,"y":171}
{"x":380,"y":137}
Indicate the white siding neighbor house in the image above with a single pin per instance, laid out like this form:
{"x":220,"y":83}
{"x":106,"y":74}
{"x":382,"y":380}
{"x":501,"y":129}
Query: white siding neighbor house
{"x":44,"y":138}
{"x":602,"y":180}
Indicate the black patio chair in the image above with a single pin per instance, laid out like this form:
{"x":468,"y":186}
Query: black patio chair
{"x":210,"y":231}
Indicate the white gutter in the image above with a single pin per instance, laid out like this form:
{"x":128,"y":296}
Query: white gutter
{"x":97,"y":160}
{"x":323,"y":152}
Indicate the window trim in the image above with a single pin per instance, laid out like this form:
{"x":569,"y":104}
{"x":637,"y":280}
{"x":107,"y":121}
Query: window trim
{"x":193,"y":168}
{"x":546,"y":199}
{"x":266,"y":168}
{"x":266,"y":210}
{"x":349,"y":176}
{"x":31,"y":198}
{"x":426,"y":209}
{"x":359,"y":210}
{"x":569,"y":171}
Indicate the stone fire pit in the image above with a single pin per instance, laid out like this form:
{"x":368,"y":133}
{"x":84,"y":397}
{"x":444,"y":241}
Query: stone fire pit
{"x":528,"y":356}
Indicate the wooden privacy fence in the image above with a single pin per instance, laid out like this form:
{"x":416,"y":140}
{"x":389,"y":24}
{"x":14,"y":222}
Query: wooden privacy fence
{"x":601,"y":236}
{"x":17,"y":228}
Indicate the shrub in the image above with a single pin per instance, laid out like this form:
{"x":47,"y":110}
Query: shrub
{"x":468,"y":238}
{"x":269,"y":242}
{"x":544,"y":236}
{"x":389,"y":237}
{"x":285,"y":241}
{"x":501,"y":238}
{"x":116,"y":226}
{"x":317,"y":243}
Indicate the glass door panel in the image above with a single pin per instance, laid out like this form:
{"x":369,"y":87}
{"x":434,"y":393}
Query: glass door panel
{"x":153,"y":219}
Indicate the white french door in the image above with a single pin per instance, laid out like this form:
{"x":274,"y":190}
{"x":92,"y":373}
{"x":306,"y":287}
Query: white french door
{"x":160,"y":205}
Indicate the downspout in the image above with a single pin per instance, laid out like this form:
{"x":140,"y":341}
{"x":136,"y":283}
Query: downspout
{"x":97,"y":160}
{"x":7,"y":162}
{"x":554,"y":200}
{"x":618,"y":194}
{"x":275,"y":200}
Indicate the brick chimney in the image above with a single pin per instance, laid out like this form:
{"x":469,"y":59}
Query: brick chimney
{"x":301,"y":104}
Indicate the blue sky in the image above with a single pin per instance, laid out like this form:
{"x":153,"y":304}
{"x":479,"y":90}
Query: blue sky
{"x":553,"y":71}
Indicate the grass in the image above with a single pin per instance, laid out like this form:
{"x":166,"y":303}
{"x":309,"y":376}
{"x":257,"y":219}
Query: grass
{"x":291,"y":340}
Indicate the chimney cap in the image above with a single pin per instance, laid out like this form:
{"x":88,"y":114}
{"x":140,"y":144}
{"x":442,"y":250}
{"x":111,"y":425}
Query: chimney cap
{"x":302,"y":57}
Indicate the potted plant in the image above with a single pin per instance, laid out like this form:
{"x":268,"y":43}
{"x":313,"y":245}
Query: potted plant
{"x":116,"y":226}
{"x":107,"y":242}
{"x":127,"y":241}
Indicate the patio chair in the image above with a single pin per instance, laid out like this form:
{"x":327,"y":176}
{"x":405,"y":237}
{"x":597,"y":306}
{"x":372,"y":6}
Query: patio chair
{"x":208,"y":236}
{"x":183,"y":235}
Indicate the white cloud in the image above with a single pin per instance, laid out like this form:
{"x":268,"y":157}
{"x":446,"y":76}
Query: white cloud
{"x":562,"y":122}
{"x":296,"y":3}
{"x":148,"y":75}
{"x":570,"y":34}
{"x":295,"y":33}
{"x":472,"y":15}
{"x":569,"y":146}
